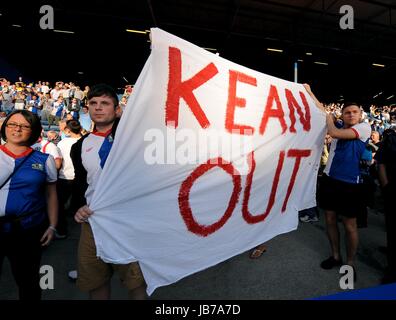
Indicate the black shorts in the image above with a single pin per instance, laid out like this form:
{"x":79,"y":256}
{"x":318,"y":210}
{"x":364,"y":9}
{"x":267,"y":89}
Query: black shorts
{"x":346,"y":199}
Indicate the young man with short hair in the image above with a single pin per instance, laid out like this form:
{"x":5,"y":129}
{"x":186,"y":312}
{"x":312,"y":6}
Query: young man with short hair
{"x":89,"y":155}
{"x":341,"y":192}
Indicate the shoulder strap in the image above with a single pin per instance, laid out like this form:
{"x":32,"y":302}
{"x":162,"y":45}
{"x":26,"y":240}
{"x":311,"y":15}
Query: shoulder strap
{"x":16,"y":169}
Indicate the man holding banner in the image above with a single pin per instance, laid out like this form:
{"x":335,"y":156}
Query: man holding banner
{"x":341,"y":191}
{"x":386,"y":157}
{"x":89,"y":155}
{"x":211,"y":159}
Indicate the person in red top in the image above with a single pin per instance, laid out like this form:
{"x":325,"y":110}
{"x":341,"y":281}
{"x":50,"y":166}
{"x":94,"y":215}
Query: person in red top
{"x":128,"y":90}
{"x":28,"y":201}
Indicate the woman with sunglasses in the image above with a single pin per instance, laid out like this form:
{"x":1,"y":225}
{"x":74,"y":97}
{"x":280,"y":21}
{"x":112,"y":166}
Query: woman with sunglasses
{"x":28,"y":201}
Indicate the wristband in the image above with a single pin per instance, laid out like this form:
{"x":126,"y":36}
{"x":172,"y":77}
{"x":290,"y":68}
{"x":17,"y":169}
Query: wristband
{"x":52,"y":228}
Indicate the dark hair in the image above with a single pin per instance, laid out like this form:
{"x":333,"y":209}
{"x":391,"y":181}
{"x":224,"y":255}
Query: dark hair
{"x":102,"y":89}
{"x":74,"y":126}
{"x":33,"y":120}
{"x":348,"y":104}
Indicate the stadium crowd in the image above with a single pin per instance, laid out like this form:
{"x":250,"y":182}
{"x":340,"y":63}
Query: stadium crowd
{"x":64,"y":111}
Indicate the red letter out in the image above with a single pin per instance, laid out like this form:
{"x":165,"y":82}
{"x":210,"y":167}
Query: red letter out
{"x":184,"y":195}
{"x":234,"y":101}
{"x":184,"y":89}
{"x":293,"y":104}
{"x":298,"y":154}
{"x":276,"y":113}
{"x":245,"y":208}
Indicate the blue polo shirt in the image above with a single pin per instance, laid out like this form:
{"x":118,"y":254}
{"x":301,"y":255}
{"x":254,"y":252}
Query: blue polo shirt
{"x":25,"y":192}
{"x":344,"y":158}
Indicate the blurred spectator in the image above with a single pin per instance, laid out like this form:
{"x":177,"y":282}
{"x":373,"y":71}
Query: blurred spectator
{"x":386,"y":157}
{"x":85,"y":119}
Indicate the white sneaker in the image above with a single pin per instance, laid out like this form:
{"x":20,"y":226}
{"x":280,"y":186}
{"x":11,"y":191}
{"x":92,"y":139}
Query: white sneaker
{"x":309,"y":219}
{"x":72,"y":275}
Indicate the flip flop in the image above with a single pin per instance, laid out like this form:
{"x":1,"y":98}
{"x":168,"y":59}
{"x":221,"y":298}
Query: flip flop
{"x":257,"y":252}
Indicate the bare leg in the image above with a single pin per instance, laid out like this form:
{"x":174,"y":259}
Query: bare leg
{"x":333,"y":233}
{"x":101,"y":293}
{"x":138,"y":293}
{"x":352,"y":236}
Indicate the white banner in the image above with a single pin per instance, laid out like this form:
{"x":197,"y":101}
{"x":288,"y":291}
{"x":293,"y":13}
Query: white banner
{"x":210,"y":159}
